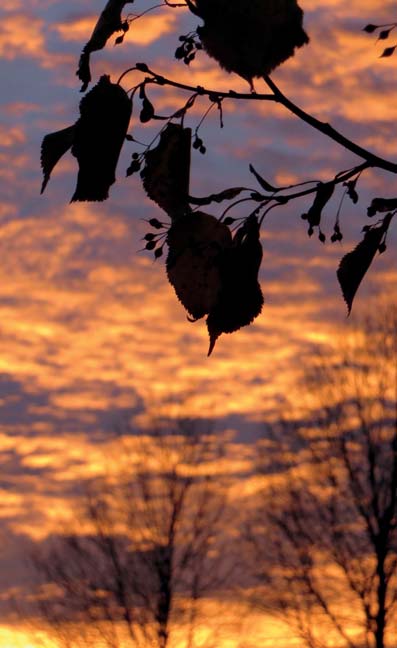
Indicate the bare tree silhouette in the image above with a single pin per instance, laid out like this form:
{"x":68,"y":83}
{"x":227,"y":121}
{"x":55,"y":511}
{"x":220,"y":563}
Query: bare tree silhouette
{"x":324,"y":541}
{"x":148,"y":546}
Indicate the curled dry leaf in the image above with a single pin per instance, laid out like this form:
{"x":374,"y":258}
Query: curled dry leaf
{"x":239,"y":300}
{"x":196,"y":244}
{"x":99,"y":135}
{"x":53,"y":147}
{"x":323,"y":195}
{"x":108,"y":23}
{"x":167,"y":170}
{"x":351,"y":190}
{"x":355,"y":264}
{"x":382,"y":205}
{"x":250,"y":38}
{"x":263,"y":183}
{"x":226,"y":194}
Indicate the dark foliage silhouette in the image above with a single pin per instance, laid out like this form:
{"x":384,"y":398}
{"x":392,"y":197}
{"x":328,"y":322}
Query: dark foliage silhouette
{"x":106,"y":109}
{"x":95,"y":140}
{"x":250,"y":39}
{"x":108,"y":23}
{"x":239,"y":299}
{"x":167,"y":170}
{"x":354,"y":265}
{"x":196,"y":245}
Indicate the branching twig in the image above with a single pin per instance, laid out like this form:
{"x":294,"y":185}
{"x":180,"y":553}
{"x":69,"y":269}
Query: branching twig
{"x":372,"y":159}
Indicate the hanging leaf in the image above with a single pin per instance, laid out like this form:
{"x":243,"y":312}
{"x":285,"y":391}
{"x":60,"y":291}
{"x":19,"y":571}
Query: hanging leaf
{"x":167,"y":170}
{"x":355,"y":264}
{"x":250,"y":38}
{"x":239,"y":300}
{"x":99,"y":135}
{"x":53,"y":147}
{"x":196,"y":243}
{"x":108,"y":23}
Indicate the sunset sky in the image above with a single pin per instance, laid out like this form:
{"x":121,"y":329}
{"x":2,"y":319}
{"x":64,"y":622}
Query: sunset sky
{"x":91,"y":330}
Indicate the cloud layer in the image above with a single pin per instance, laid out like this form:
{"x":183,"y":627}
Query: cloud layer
{"x":91,"y":331}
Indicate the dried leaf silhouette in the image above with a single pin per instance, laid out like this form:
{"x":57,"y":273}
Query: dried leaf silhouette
{"x":108,"y":23}
{"x":196,"y":243}
{"x":263,"y":183}
{"x":351,"y":190}
{"x":147,"y":112}
{"x":240,"y":298}
{"x":226,"y":194}
{"x":323,"y":194}
{"x":167,"y":170}
{"x":382,"y":205}
{"x":250,"y":38}
{"x":99,"y":135}
{"x":53,"y":147}
{"x":355,"y":264}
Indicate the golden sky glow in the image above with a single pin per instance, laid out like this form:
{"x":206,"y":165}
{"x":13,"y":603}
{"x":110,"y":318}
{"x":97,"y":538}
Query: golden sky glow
{"x":151,"y":28}
{"x":91,"y":330}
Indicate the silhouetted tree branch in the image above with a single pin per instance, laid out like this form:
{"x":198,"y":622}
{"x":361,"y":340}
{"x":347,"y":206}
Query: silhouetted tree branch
{"x":250,"y":42}
{"x":277,"y":96}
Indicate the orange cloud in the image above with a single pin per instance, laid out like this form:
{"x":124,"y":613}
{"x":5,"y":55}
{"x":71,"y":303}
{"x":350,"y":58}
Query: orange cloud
{"x":21,"y":35}
{"x":76,"y":327}
{"x":91,"y":327}
{"x":143,"y":32}
{"x":11,"y":136}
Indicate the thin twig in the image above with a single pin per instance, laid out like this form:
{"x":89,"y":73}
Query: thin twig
{"x":277,"y":96}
